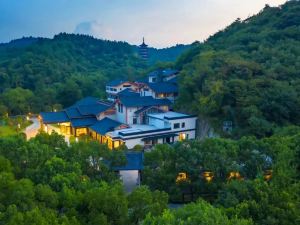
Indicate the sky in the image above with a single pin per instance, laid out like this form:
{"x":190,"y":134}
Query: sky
{"x":163,"y":23}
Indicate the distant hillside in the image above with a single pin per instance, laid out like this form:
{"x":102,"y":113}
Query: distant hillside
{"x":166,"y":54}
{"x":247,"y":73}
{"x":65,"y":68}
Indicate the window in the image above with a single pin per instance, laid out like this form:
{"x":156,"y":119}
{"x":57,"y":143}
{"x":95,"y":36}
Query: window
{"x":182,"y":136}
{"x":120,"y":107}
{"x":126,"y":85}
{"x":134,"y":120}
{"x":81,"y":131}
{"x":183,"y":125}
{"x":176,"y":125}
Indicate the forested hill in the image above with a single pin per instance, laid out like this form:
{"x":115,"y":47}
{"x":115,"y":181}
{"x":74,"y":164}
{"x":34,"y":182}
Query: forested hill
{"x":169,"y":54}
{"x":248,"y":73}
{"x":41,"y":74}
{"x":61,"y":70}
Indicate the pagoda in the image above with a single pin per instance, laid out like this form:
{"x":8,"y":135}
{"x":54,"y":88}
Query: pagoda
{"x":143,"y":50}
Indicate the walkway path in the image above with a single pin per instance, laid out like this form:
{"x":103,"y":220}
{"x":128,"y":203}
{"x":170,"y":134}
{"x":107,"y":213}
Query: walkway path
{"x":32,"y":130}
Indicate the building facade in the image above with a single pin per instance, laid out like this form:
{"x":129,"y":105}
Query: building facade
{"x":136,"y":114}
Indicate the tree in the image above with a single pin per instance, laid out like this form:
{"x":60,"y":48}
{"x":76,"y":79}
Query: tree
{"x":18,"y":100}
{"x":194,"y":214}
{"x":107,"y":202}
{"x":142,"y":202}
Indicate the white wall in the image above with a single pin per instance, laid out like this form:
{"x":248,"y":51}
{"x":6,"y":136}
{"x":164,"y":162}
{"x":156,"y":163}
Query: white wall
{"x":130,"y":114}
{"x":121,"y":116}
{"x":190,"y":123}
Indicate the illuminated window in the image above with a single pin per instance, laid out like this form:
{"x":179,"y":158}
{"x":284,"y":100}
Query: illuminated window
{"x":104,"y":139}
{"x":182,"y":136}
{"x":116,"y":144}
{"x":81,"y":131}
{"x":110,"y":143}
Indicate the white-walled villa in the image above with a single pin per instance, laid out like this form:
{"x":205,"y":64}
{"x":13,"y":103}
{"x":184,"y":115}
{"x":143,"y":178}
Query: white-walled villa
{"x":136,"y":113}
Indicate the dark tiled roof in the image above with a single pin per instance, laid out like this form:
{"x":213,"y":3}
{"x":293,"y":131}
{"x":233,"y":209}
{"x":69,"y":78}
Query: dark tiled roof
{"x":73,"y":113}
{"x":128,"y":92}
{"x":86,"y":101}
{"x":54,"y":117}
{"x":142,"y":109}
{"x":163,"y":87}
{"x":134,"y":161}
{"x":154,"y":73}
{"x":169,"y":72}
{"x":92,"y":109}
{"x":105,"y":125}
{"x":145,"y":108}
{"x":173,"y":80}
{"x":139,"y":101}
{"x":83,"y":122}
{"x":115,"y":82}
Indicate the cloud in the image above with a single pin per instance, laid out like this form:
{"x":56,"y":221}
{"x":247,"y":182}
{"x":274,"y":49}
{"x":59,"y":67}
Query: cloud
{"x":93,"y":28}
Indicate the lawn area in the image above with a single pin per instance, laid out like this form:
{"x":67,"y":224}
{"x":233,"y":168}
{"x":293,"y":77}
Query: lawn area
{"x":9,"y":126}
{"x":7,"y":131}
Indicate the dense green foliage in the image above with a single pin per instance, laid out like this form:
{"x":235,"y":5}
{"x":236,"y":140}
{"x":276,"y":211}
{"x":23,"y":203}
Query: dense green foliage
{"x":44,"y":181}
{"x":250,"y":197}
{"x":39,"y":74}
{"x":199,"y":213}
{"x":166,"y":54}
{"x":247,"y":73}
{"x":61,"y":70}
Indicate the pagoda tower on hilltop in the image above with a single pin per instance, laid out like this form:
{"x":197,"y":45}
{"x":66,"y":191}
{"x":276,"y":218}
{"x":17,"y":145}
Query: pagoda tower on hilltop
{"x":143,"y":50}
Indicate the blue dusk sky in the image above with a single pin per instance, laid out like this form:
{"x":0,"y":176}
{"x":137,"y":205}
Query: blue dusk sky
{"x":163,"y":23}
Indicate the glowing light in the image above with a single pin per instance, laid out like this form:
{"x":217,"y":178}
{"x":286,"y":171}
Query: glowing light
{"x":182,"y":136}
{"x":208,"y":176}
{"x":234,"y":175}
{"x":181,"y":177}
{"x":268,"y":175}
{"x":76,"y":139}
{"x":116,"y":144}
